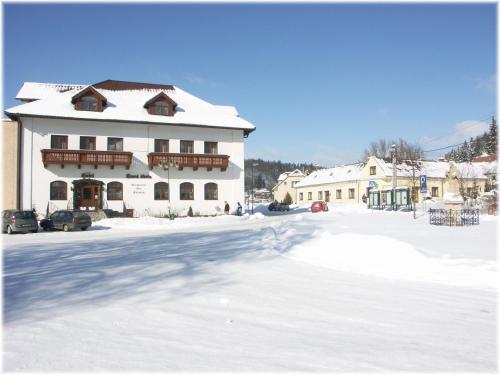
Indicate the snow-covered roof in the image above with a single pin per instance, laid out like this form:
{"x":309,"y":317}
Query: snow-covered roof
{"x":54,"y":100}
{"x":295,"y":173}
{"x":332,"y":175}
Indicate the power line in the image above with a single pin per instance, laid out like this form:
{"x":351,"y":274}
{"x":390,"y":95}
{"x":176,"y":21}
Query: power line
{"x":443,"y":148}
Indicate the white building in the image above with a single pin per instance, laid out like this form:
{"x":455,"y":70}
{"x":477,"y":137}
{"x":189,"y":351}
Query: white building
{"x":147,"y":147}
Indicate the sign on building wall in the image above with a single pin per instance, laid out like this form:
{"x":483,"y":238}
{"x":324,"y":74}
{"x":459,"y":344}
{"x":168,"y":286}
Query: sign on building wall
{"x":423,"y":184}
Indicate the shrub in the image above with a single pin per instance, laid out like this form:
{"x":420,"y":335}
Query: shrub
{"x":288,"y":199}
{"x":190,"y":211}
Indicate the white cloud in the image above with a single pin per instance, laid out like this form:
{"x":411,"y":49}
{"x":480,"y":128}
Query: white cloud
{"x":488,"y":84}
{"x":462,"y":131}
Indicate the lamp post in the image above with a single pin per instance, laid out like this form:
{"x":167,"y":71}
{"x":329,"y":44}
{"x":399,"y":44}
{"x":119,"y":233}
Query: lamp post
{"x":253,"y":165}
{"x":394,"y":176}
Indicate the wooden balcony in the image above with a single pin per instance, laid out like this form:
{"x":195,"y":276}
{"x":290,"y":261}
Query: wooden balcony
{"x":86,"y":157}
{"x":195,"y":161}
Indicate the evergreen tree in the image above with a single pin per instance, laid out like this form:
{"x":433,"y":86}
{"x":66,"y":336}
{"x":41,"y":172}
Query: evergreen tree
{"x":288,"y":199}
{"x":491,"y":144}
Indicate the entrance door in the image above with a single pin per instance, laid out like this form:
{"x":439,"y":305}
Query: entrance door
{"x":89,"y":196}
{"x":327,"y":196}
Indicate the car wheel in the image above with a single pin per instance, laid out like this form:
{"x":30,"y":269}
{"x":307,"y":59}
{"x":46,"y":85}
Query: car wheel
{"x":65,"y":228}
{"x":34,"y":230}
{"x":84,"y":228}
{"x":9,"y":230}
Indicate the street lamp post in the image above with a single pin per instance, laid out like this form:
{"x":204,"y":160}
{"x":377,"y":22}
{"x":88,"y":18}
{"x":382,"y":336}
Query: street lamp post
{"x":253,"y":165}
{"x":394,"y":176}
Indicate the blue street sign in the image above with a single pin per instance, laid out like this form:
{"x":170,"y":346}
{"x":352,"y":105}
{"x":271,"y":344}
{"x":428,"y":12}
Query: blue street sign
{"x":423,"y":184}
{"x":372,"y":184}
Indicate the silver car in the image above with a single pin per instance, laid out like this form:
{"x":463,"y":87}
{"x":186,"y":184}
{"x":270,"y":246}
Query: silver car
{"x":19,"y":221}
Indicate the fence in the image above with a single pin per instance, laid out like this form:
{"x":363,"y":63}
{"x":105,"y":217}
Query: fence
{"x":452,"y":217}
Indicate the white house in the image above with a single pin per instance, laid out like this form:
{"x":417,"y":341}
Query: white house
{"x":286,"y":184}
{"x":114,"y":144}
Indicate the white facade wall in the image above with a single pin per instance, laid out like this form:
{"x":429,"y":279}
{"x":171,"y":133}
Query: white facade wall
{"x":138,"y":138}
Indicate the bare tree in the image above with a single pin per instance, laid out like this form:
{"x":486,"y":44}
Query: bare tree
{"x":381,"y":149}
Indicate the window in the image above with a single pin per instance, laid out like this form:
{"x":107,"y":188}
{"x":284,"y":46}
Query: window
{"x":161,"y":191}
{"x":160,"y":108}
{"x":115,"y":191}
{"x":58,"y":191}
{"x":373,"y":170}
{"x":210,"y":147}
{"x":294,"y":183}
{"x":320,"y":195}
{"x":161,"y":145}
{"x":115,"y":144}
{"x":59,"y":142}
{"x":187,"y":147}
{"x":327,"y":196}
{"x":301,"y":196}
{"x":338,"y":194}
{"x":351,"y":193}
{"x":309,"y":195}
{"x":187,"y":191}
{"x":88,"y":103}
{"x":87,"y":143}
{"x":211,"y":192}
{"x":435,"y":191}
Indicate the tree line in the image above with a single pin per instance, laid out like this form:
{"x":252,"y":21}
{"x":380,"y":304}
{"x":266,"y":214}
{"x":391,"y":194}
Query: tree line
{"x":482,"y":144}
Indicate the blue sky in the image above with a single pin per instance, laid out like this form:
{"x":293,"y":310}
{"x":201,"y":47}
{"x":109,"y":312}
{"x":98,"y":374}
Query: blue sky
{"x":319,"y":81}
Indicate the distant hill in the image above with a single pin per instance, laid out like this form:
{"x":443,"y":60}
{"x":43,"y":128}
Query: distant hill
{"x":266,"y":173}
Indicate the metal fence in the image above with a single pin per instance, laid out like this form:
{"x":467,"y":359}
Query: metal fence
{"x":452,"y":217}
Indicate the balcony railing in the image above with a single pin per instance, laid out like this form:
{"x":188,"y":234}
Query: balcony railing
{"x":86,"y":157}
{"x":209,"y":161}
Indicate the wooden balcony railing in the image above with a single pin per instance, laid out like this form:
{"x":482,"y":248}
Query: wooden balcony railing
{"x":86,"y":157}
{"x":195,"y":161}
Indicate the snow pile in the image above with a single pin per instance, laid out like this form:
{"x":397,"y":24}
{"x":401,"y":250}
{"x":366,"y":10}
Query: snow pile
{"x":386,"y":257}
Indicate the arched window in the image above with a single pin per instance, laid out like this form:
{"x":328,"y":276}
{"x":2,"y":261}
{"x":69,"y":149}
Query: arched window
{"x":211,"y":192}
{"x":58,"y":191}
{"x":187,"y":191}
{"x":161,"y":191}
{"x":115,"y":191}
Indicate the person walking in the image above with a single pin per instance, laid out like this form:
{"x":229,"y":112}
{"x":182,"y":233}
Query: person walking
{"x":226,"y":208}
{"x":239,"y":209}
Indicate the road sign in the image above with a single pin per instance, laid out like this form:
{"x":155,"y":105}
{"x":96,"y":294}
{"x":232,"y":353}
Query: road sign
{"x":372,"y":184}
{"x":423,"y":184}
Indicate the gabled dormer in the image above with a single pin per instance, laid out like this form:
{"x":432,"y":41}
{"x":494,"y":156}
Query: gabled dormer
{"x":89,"y":99}
{"x":160,"y":105}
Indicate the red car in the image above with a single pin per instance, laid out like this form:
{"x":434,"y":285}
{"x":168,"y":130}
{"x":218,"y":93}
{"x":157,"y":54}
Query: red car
{"x":319,"y":206}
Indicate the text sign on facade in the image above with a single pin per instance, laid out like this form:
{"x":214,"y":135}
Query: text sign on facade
{"x":423,"y":184}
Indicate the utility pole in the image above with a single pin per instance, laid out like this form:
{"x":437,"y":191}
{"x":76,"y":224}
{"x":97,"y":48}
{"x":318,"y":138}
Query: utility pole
{"x":413,"y":187}
{"x":394,"y":176}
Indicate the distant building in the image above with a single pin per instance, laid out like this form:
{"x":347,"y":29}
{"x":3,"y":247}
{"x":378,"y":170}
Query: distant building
{"x":286,"y":184}
{"x":348,"y":183}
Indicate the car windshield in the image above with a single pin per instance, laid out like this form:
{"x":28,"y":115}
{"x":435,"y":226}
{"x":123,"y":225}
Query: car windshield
{"x":25,"y":215}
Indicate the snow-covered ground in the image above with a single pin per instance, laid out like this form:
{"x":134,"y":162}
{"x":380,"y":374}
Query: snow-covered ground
{"x":346,"y":290}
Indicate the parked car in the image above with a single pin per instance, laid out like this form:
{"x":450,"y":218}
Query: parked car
{"x":319,"y":206}
{"x":275,"y":206}
{"x":19,"y":221}
{"x":66,"y":220}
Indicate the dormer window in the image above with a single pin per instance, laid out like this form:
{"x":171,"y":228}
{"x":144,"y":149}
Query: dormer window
{"x":160,"y":108}
{"x":89,"y":99}
{"x":88,"y":103}
{"x":160,"y":105}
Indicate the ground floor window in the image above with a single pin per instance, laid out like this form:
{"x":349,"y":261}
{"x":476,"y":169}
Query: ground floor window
{"x":187,"y":191}
{"x":211,"y":192}
{"x":301,"y":196}
{"x":338,"y":193}
{"x":435,"y":191}
{"x":351,"y":193}
{"x":58,"y":190}
{"x":161,"y":191}
{"x":310,"y":196}
{"x":320,"y":195}
{"x":115,"y":191}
